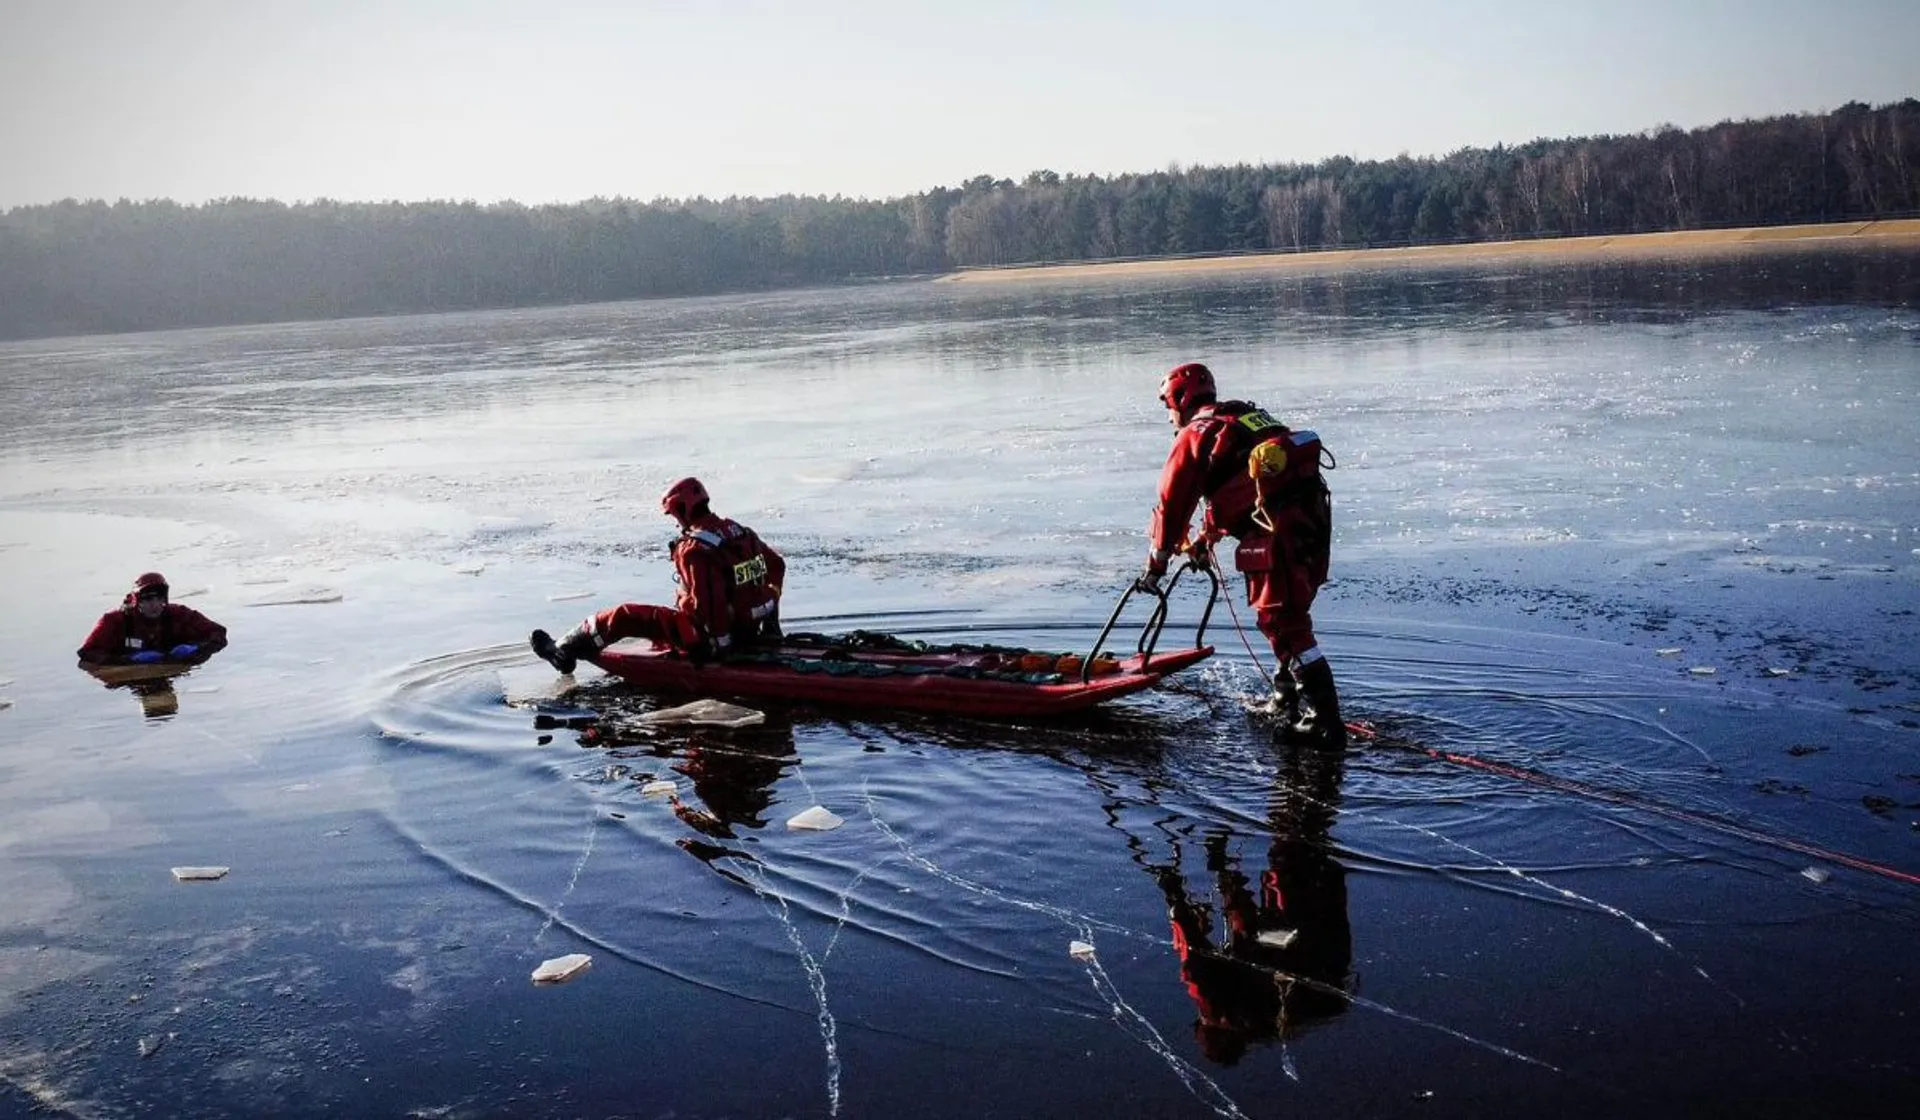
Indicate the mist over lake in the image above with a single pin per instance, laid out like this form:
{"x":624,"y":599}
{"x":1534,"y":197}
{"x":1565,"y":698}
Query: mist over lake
{"x":1625,"y":575}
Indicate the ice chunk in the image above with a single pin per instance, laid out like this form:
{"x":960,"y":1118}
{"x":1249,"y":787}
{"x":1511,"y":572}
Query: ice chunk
{"x":150,"y":1045}
{"x":191,"y":874}
{"x":1702,"y":670}
{"x":1278,"y":938}
{"x":5,"y":703}
{"x":1670,"y":651}
{"x":710,"y":713}
{"x":566,"y":596}
{"x":1773,"y":672}
{"x":660,"y":787}
{"x":816,"y":819}
{"x":559,"y":970}
{"x":1817,"y":874}
{"x":1080,"y":950}
{"x":469,"y":569}
{"x":299,"y":596}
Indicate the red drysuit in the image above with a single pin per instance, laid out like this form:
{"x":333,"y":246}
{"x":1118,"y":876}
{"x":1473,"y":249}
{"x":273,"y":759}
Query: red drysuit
{"x":1282,"y":518}
{"x":124,"y":632}
{"x":729,"y":594}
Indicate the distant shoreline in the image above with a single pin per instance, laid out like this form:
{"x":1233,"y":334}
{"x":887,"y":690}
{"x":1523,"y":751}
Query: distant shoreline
{"x":1677,"y":243}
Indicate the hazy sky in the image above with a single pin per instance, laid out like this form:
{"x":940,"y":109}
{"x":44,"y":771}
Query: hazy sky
{"x":559,"y":100}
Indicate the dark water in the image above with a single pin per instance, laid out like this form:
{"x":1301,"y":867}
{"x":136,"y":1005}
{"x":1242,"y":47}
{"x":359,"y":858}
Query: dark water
{"x":1581,"y":875}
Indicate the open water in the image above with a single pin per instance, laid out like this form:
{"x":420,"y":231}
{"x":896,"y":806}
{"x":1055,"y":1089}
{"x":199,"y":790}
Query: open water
{"x":1626,"y":566}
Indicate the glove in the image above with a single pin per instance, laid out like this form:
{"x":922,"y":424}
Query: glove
{"x":1149,"y":582}
{"x":183,"y":650}
{"x":145,"y":657}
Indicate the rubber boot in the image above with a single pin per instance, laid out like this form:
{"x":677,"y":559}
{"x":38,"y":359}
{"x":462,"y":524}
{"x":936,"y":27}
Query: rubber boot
{"x":1321,"y":721}
{"x":567,"y":653}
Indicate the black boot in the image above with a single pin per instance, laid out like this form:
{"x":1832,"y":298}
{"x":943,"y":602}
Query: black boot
{"x":578,"y":645}
{"x":1321,"y":721}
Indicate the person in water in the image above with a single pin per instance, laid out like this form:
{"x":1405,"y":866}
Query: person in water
{"x":729,"y":596}
{"x":146,"y":629}
{"x":1262,"y":484}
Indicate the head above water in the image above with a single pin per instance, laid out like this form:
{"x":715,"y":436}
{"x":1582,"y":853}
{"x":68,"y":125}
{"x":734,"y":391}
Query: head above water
{"x":1184,"y":389}
{"x":684,"y":500}
{"x":149,"y":594}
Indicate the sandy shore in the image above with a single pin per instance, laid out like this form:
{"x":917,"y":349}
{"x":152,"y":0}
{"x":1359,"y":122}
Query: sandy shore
{"x":1904,"y":232}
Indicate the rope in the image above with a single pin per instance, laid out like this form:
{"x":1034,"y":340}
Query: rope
{"x":1242,"y":631}
{"x":1618,"y":797}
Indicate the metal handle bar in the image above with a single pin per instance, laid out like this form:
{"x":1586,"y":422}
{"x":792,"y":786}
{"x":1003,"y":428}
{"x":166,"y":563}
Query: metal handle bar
{"x":1157,"y":620}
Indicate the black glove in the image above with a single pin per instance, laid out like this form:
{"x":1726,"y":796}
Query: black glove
{"x":1149,"y":581}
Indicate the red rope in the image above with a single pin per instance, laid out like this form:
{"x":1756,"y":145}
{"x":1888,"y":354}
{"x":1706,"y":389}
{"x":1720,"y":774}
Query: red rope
{"x":1618,"y":797}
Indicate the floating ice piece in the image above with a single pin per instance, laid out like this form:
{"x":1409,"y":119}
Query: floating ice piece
{"x":816,"y":819}
{"x":660,"y":787}
{"x":1080,"y":950}
{"x":1702,"y":670}
{"x":559,"y":970}
{"x":1670,"y":651}
{"x":1773,"y":672}
{"x":1278,"y":938}
{"x":1816,"y":874}
{"x":151,"y":1044}
{"x":469,"y":569}
{"x":712,"y":713}
{"x":5,"y":704}
{"x":193,"y":874}
{"x":565,"y":596}
{"x":299,"y":597}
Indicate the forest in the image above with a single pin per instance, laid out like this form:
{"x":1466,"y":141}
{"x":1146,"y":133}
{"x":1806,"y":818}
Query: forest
{"x":77,"y":267}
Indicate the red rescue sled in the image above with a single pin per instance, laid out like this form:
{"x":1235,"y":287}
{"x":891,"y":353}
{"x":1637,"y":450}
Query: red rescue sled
{"x":866,"y":670}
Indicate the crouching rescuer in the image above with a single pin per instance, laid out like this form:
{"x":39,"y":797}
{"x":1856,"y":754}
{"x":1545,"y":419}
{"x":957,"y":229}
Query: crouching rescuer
{"x":729,"y":596}
{"x":1263,"y":487}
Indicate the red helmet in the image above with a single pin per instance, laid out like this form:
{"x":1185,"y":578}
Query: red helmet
{"x":683,"y":498}
{"x":149,"y":579}
{"x":1187,"y":387}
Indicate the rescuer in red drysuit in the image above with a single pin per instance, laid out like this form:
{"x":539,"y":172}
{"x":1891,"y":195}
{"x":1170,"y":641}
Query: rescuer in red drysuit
{"x":1262,"y":485}
{"x":729,"y":592}
{"x":145,"y":628}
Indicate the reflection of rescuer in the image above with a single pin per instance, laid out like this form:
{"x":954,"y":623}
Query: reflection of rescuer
{"x":1284,"y":958}
{"x":729,"y":592}
{"x":1262,"y":485}
{"x":147,"y":629}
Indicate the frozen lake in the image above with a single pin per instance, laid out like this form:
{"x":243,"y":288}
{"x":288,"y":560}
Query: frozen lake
{"x":1626,"y":566}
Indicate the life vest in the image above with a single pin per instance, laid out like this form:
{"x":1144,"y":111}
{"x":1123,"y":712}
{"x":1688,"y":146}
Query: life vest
{"x":752,"y":598}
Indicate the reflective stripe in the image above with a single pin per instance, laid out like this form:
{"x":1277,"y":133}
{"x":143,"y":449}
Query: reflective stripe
{"x":723,"y":641}
{"x":1310,"y":656}
{"x":707,"y":537}
{"x":1304,"y":437}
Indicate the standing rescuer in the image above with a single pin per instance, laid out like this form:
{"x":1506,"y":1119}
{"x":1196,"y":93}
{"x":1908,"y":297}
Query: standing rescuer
{"x":146,"y":628}
{"x":1263,"y":487}
{"x":729,"y":592}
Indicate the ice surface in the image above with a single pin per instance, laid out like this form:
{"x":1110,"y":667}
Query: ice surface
{"x":660,"y":787}
{"x":193,"y":874}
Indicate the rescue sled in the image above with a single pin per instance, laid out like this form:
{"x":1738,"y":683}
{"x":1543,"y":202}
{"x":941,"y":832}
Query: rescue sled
{"x":864,"y":669}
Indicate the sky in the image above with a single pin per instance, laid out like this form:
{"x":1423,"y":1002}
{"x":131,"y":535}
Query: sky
{"x":562,"y":100}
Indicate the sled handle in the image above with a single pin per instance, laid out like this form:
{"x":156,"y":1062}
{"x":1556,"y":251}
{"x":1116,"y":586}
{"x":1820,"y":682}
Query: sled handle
{"x":1157,"y":619}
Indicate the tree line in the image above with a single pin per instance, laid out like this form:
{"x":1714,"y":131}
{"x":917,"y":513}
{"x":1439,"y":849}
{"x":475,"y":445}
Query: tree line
{"x":76,"y":267}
